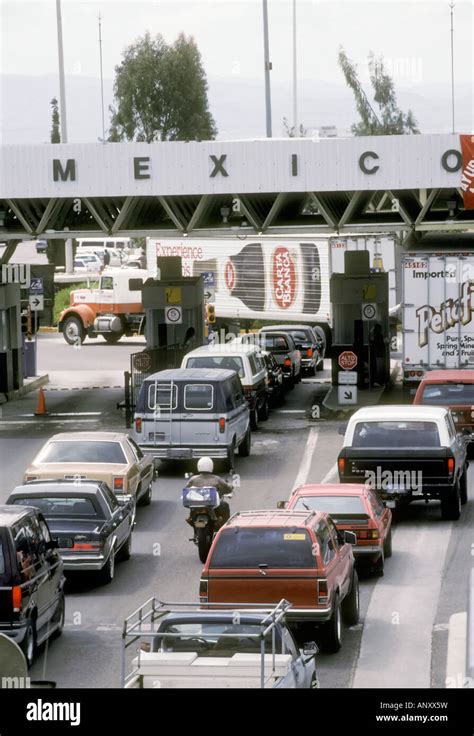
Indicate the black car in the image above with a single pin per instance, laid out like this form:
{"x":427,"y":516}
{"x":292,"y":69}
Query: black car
{"x":275,"y":377}
{"x":31,"y":579}
{"x":93,"y":527}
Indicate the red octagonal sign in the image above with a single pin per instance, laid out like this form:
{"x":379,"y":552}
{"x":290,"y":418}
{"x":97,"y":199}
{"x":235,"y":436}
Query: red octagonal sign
{"x":347,"y":360}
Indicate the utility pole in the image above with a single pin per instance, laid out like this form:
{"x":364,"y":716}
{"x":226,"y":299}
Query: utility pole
{"x":295,"y":106}
{"x":101,"y":78}
{"x":452,"y":64}
{"x":62,"y":85}
{"x":268,"y":66}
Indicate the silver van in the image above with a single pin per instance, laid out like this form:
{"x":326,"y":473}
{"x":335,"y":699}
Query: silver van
{"x":191,"y":413}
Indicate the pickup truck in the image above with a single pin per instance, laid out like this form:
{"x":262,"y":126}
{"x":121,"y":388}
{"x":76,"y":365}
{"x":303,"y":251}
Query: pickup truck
{"x":184,"y":646}
{"x":286,"y":354}
{"x":407,"y":453}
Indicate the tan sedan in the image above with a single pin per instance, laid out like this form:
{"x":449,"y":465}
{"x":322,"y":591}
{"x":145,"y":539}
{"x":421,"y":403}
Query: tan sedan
{"x":112,"y":457}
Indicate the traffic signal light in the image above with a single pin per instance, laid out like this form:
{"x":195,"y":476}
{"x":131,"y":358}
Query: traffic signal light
{"x":26,"y":324}
{"x":211,"y":313}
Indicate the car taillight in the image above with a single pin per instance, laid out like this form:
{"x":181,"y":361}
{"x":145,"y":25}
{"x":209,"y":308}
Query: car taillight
{"x":310,"y":352}
{"x":30,"y":477}
{"x":16,"y":598}
{"x":86,"y":546}
{"x":118,"y":485}
{"x":341,"y":464}
{"x":221,"y":424}
{"x":287,"y":361}
{"x":374,"y":534}
{"x":138,"y":425}
{"x":450,"y":465}
{"x":323,"y":592}
{"x":203,"y":590}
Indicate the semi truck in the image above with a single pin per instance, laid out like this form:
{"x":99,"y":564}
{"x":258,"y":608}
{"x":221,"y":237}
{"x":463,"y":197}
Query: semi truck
{"x":437,"y":313}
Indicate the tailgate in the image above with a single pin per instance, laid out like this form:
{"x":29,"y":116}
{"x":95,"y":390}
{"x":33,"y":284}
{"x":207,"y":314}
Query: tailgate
{"x":296,"y":586}
{"x":431,"y":462}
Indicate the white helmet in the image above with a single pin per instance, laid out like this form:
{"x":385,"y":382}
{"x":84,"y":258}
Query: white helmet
{"x":205,"y":465}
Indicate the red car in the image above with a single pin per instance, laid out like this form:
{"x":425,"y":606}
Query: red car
{"x":353,"y":507}
{"x":453,"y":389}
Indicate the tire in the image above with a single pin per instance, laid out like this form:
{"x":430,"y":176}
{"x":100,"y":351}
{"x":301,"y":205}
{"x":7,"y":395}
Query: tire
{"x":314,"y":684}
{"x":60,"y":618}
{"x":204,"y":540}
{"x":112,"y":338}
{"x":451,"y":506}
{"x":245,"y":446}
{"x":146,"y":499}
{"x":264,"y":411}
{"x":320,"y":366}
{"x":231,"y":456}
{"x":379,"y":565}
{"x":331,"y":631}
{"x":107,"y":573}
{"x":126,"y":550}
{"x":387,"y":545}
{"x":28,"y":645}
{"x":73,"y":331}
{"x":254,"y":419}
{"x":463,"y":487}
{"x":351,"y":605}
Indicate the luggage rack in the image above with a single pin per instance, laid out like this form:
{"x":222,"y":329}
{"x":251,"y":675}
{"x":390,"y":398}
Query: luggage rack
{"x":144,"y":623}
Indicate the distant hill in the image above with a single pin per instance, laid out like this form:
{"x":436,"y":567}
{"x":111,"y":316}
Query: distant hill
{"x":237,"y":105}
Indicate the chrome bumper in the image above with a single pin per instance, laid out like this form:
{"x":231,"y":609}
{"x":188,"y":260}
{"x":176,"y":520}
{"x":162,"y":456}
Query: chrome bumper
{"x":183,"y":453}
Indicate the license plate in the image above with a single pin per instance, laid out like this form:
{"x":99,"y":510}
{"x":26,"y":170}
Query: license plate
{"x":390,"y":504}
{"x":179,"y":453}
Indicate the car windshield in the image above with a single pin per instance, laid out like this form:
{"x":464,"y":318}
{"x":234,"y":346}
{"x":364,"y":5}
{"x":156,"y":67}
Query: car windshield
{"x":211,"y":640}
{"x":218,"y":361}
{"x":275,"y":342}
{"x":56,"y":506}
{"x":331,"y":504}
{"x":283,"y":547}
{"x":82,"y":451}
{"x":299,"y":336}
{"x":448,"y":394}
{"x":396,"y":434}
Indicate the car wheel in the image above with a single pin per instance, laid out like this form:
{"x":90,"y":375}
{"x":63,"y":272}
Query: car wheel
{"x":350,"y":604}
{"x":146,"y":499}
{"x":451,"y":506}
{"x":73,"y":331}
{"x":387,"y":545}
{"x":59,"y":618}
{"x":245,"y":446}
{"x":264,"y":411}
{"x":254,"y":419}
{"x":112,"y":338}
{"x":108,"y":571}
{"x":331,"y":631}
{"x":28,"y":645}
{"x":231,"y":456}
{"x":126,"y":550}
{"x":463,"y":487}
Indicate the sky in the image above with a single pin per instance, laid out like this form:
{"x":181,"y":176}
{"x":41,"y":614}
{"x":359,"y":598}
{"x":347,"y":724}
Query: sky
{"x":413,"y":37}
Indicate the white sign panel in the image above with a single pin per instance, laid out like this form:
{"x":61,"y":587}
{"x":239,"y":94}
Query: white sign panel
{"x":36,"y":302}
{"x":348,"y":378}
{"x":174,"y":315}
{"x":369,"y":311}
{"x":347,"y":395}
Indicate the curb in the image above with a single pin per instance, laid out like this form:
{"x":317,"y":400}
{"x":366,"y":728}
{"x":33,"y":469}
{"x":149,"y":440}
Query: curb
{"x":26,"y":389}
{"x":48,"y":329}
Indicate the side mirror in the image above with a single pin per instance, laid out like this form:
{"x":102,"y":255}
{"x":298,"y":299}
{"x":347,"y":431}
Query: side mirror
{"x":310,"y":649}
{"x":342,"y":430}
{"x":281,"y":505}
{"x":350,"y":538}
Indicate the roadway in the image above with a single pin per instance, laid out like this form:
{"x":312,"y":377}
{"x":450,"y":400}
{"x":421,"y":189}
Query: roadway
{"x":402,"y":638}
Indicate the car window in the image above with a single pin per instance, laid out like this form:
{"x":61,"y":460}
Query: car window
{"x":396,"y":434}
{"x":284,"y":547}
{"x":213,"y":639}
{"x":276,"y":342}
{"x":226,"y":362}
{"x":59,"y":506}
{"x":160,"y":397}
{"x":2,"y":559}
{"x":82,"y":451}
{"x":237,"y":391}
{"x":254,"y":365}
{"x":448,"y":394}
{"x":199,"y":396}
{"x":331,"y":504}
{"x":326,"y":544}
{"x":107,"y":282}
{"x":110,"y":497}
{"x":376,"y":503}
{"x":26,"y":556}
{"x":299,"y":336}
{"x":45,"y":536}
{"x":135,"y":448}
{"x":333,"y":531}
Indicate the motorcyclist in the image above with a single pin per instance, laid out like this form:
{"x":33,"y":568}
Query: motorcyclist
{"x":205,"y":478}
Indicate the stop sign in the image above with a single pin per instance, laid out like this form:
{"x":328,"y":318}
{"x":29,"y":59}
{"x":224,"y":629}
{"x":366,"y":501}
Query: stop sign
{"x":347,"y":360}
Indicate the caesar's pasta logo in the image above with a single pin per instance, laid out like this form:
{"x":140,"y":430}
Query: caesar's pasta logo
{"x":450,"y":313}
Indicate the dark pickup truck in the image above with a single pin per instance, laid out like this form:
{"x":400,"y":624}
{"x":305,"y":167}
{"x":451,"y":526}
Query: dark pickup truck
{"x":407,"y":453}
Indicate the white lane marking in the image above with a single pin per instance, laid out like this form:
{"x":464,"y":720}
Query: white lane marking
{"x":456,"y":656}
{"x":398,"y":625}
{"x":290,"y":411}
{"x":108,"y":627}
{"x":330,"y":475}
{"x":6,"y":423}
{"x":68,"y":414}
{"x":307,"y":457}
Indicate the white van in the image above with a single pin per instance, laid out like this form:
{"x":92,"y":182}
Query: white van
{"x":248,"y":362}
{"x":104,"y":243}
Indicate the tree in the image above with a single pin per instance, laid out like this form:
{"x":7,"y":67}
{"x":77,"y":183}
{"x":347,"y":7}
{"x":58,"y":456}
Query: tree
{"x":290,"y":130}
{"x":55,"y":135}
{"x":160,"y":93}
{"x":389,"y":119}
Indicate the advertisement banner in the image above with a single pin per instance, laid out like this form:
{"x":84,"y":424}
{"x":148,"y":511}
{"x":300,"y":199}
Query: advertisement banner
{"x":467,"y":180}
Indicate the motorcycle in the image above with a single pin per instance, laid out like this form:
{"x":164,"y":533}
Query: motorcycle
{"x":202,"y":503}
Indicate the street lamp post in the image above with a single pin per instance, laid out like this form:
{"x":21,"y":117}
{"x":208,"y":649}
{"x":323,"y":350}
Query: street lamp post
{"x":295,"y":104}
{"x":268,"y":66}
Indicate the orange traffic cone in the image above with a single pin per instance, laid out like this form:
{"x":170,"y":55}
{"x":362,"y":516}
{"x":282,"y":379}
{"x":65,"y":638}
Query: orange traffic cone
{"x":41,"y":408}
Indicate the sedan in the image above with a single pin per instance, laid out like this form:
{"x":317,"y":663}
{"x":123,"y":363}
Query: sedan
{"x":91,"y":526}
{"x":353,"y":507}
{"x":111,"y":457}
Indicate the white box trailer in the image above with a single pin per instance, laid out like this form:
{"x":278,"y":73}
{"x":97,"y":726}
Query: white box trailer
{"x":437,"y":307}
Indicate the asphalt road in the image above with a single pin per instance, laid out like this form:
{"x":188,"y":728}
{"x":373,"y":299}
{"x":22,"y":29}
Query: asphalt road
{"x":402,"y":638}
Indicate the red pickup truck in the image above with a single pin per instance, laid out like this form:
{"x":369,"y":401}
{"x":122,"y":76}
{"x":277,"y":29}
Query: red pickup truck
{"x":260,"y":557}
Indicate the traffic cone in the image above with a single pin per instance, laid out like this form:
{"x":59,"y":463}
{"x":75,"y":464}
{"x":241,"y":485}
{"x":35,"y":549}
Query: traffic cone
{"x":41,"y":409}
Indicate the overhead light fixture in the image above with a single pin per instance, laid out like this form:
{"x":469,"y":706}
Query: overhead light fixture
{"x":225,"y":212}
{"x":451,"y":205}
{"x":2,"y":218}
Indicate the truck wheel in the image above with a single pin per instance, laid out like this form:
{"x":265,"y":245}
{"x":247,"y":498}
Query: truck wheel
{"x":451,"y":506}
{"x":264,"y":411}
{"x":387,"y":545}
{"x":331,"y":631}
{"x":350,"y":604}
{"x":463,"y":487}
{"x":204,"y":540}
{"x":28,"y":645}
{"x":112,"y":338}
{"x":231,"y":456}
{"x":244,"y":447}
{"x":73,"y":331}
